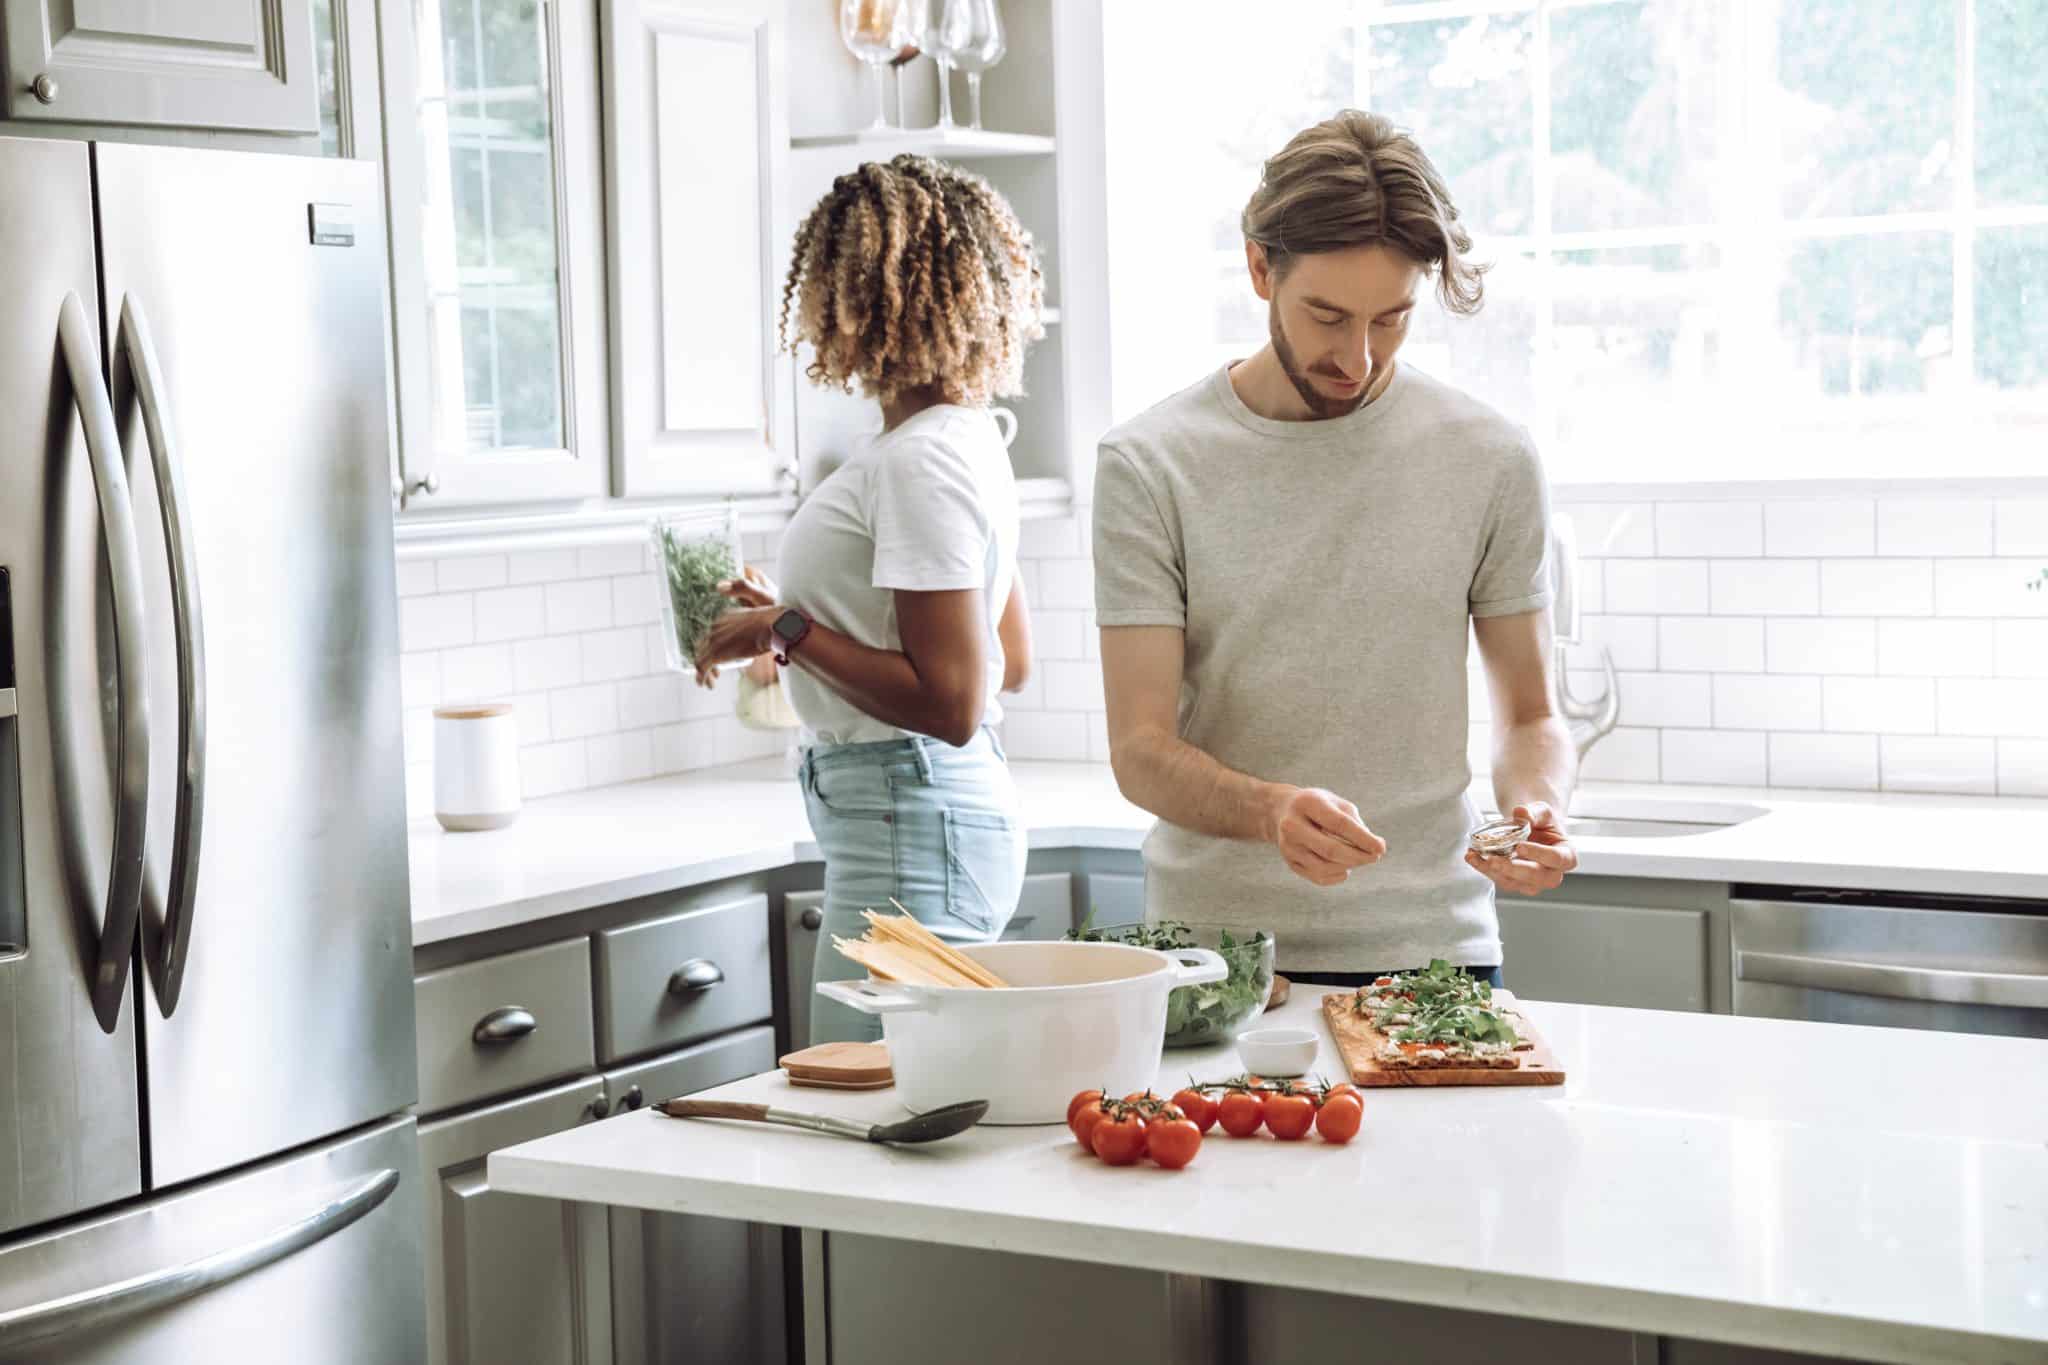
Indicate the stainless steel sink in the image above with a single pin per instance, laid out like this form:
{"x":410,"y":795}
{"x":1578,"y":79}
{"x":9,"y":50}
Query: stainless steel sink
{"x":1656,"y":817}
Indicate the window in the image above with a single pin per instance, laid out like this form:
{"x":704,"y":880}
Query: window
{"x":1730,"y":239}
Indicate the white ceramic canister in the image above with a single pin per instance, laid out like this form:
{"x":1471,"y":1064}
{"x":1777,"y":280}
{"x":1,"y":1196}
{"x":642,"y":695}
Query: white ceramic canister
{"x":476,"y":765}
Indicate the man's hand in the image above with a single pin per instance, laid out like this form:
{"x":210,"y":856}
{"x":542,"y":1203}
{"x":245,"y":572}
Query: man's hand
{"x":1538,"y":864}
{"x":1320,"y":835}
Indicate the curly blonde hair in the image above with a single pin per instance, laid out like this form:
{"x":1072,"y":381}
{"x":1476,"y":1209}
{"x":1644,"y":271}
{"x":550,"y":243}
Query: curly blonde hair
{"x":914,"y":274}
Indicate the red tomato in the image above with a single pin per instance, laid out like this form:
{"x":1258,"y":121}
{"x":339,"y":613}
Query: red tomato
{"x":1083,"y":1124}
{"x":1172,"y":1143}
{"x":1290,"y":1116}
{"x":1200,"y":1109}
{"x":1119,"y":1140}
{"x":1166,"y":1111}
{"x":1240,"y":1113}
{"x":1085,"y":1097}
{"x":1339,"y":1118}
{"x":1346,"y":1088}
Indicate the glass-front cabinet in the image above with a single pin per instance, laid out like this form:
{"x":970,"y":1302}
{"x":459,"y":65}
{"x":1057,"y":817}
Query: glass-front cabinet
{"x":498,"y":280}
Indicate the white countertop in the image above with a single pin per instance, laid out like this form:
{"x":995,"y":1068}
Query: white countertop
{"x":1871,"y":1192}
{"x":609,"y":844}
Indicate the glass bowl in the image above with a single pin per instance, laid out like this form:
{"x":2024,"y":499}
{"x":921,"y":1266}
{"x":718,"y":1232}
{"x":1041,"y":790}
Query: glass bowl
{"x":1197,"y":1016}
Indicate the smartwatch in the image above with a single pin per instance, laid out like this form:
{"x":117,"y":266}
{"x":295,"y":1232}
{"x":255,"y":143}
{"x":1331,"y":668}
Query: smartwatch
{"x":789,"y":631}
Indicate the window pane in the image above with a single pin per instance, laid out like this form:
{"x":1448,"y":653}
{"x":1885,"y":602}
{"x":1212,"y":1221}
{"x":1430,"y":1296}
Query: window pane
{"x":1866,"y":106}
{"x":1491,"y":354}
{"x":1868,"y":316}
{"x":1636,"y":345}
{"x":324,"y":71}
{"x":2012,"y":102}
{"x":1463,"y":87}
{"x":492,"y":233}
{"x":2012,"y":308}
{"x":1632,"y":131}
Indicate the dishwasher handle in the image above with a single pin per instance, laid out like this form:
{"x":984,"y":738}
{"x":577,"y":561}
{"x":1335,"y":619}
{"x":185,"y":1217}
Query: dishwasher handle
{"x":1893,"y":981}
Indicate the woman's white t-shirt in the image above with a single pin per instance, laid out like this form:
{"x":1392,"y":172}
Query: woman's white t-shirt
{"x":928,"y":507}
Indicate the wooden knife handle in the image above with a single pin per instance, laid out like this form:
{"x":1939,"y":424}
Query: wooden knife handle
{"x":713,"y":1109}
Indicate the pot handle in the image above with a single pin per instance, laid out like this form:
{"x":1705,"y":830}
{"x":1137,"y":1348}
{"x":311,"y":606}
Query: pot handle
{"x":1195,"y":966}
{"x":872,"y":997}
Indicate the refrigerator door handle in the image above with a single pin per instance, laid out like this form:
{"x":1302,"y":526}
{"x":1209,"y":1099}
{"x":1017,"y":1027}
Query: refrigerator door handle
{"x":167,"y":963}
{"x":94,"y":1308}
{"x":124,"y":573}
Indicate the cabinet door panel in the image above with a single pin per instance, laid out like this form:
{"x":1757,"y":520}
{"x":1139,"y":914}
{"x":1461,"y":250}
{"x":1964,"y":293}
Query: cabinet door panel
{"x":163,"y":63}
{"x":1605,"y":954}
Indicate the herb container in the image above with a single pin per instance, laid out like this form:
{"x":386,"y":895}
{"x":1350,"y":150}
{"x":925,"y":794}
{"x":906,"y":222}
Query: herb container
{"x":1214,"y":1012}
{"x":694,"y":552}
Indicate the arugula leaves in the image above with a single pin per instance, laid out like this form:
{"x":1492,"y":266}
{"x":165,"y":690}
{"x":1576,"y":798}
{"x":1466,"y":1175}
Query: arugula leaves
{"x":1448,"y":1006}
{"x":1209,"y":1013}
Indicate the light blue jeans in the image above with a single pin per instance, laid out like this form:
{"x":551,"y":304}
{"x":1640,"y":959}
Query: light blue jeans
{"x":934,"y":827}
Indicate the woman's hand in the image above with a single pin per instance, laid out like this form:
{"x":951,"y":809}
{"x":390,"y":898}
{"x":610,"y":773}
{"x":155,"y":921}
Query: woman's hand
{"x":753,"y":589}
{"x":746,"y":633}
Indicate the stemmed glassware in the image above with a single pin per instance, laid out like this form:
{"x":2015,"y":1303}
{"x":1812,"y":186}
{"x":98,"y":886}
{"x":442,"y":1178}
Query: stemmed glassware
{"x":874,"y":31}
{"x":915,"y":22}
{"x":969,"y":36}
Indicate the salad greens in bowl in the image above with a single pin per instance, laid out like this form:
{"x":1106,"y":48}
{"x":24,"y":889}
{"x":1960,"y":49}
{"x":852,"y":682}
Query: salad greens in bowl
{"x":1197,"y":1015}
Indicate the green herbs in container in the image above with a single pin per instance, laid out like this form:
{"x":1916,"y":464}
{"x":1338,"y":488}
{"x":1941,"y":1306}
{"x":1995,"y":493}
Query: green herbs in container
{"x":696,"y":554}
{"x":1211,"y":1013}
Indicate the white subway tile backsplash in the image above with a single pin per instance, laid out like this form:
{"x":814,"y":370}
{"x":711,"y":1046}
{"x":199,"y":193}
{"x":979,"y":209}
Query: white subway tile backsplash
{"x":1050,"y":538}
{"x":634,"y":602}
{"x":1624,"y":754}
{"x":1820,"y":527}
{"x":419,"y":730}
{"x":546,"y":769}
{"x":575,"y":712}
{"x":1704,"y":529}
{"x":693,"y":744}
{"x":419,"y":679}
{"x":1913,"y":763}
{"x":1993,"y":707}
{"x":702,"y":703}
{"x":626,"y":756}
{"x":1886,"y":706}
{"x":1632,"y":640}
{"x":1059,"y":634}
{"x":1877,"y":587}
{"x":1073,"y":686}
{"x":1029,"y":697}
{"x":1834,"y":762}
{"x":1716,"y":757}
{"x":511,"y":614}
{"x":1098,"y":739}
{"x":1793,"y":645}
{"x":416,"y":577}
{"x":2021,"y":649}
{"x":1934,"y":526}
{"x":1710,"y":644}
{"x":1065,"y":583}
{"x":541,"y":566}
{"x":1592,"y":585}
{"x":538,"y":665}
{"x":1657,"y":585}
{"x":436,"y":622}
{"x":609,"y":561}
{"x":2023,"y":767}
{"x":1766,"y":701}
{"x":651,"y":701}
{"x":1989,"y":587}
{"x":1059,"y":735}
{"x":580,"y":604}
{"x":613,"y":654}
{"x":470,"y":572}
{"x":2022,"y":526}
{"x":1937,"y":649}
{"x":419,"y":791}
{"x":1613,"y":530}
{"x":1766,"y":587}
{"x":477,"y":673}
{"x":530,"y":712}
{"x":1667,"y":699}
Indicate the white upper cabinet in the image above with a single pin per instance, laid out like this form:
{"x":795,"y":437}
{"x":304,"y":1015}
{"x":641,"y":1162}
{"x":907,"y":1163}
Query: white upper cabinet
{"x":695,"y":146}
{"x":245,"y":66}
{"x":492,"y":153}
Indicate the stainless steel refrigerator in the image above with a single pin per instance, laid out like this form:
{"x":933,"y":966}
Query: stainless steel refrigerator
{"x":206,"y":1030}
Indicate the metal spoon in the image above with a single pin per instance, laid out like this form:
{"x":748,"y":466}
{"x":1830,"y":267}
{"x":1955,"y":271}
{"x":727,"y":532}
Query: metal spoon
{"x":926,"y":1127}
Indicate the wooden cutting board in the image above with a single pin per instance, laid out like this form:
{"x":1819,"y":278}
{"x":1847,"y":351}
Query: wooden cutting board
{"x":840,"y":1066}
{"x":1359,"y":1041}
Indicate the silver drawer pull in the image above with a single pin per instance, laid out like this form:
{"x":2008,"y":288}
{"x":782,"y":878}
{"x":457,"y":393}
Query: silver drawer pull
{"x":2016,"y":989}
{"x":698,"y":974}
{"x":505,"y":1024}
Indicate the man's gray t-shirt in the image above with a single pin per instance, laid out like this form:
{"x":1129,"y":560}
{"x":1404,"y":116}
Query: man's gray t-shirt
{"x":1323,"y":573}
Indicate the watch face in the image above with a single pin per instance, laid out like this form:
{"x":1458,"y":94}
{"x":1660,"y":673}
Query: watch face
{"x":789,"y":625}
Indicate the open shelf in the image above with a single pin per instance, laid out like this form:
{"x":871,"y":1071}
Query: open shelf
{"x":944,"y":143}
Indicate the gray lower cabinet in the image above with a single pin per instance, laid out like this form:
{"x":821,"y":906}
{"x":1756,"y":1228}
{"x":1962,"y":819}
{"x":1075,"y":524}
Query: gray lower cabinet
{"x":1112,"y":898}
{"x":512,"y":1279}
{"x":245,"y":67}
{"x":1648,"y":957}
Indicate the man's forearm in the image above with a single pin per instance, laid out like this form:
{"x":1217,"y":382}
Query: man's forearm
{"x":1534,"y":761}
{"x":1185,"y":786}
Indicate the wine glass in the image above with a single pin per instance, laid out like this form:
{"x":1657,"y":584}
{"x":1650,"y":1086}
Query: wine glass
{"x":971,"y":37}
{"x":929,"y":38}
{"x":912,"y":22}
{"x":870,"y":29}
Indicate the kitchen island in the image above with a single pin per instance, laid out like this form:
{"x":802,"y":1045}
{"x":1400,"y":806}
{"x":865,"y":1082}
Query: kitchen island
{"x":1866,"y":1193}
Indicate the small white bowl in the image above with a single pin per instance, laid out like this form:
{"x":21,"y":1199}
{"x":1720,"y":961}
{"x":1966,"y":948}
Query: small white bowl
{"x":1278,"y":1051}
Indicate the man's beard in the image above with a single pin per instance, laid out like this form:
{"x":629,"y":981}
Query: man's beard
{"x":1320,"y":404}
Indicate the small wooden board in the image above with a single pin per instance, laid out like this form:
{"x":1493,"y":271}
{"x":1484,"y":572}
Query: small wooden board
{"x":1359,"y":1041}
{"x":841,"y":1066}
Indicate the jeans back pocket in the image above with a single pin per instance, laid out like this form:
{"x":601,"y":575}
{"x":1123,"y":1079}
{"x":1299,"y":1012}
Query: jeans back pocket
{"x":984,"y":868}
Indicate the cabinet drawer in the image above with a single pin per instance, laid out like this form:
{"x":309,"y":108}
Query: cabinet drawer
{"x":548,"y":987}
{"x":1642,"y":957}
{"x":674,"y":980}
{"x":718,"y":1062}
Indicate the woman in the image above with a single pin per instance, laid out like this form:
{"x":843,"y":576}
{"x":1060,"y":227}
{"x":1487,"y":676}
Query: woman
{"x":902,"y":613}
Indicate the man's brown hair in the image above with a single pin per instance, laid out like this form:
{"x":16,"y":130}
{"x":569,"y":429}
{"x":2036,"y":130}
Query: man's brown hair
{"x":1356,"y":180}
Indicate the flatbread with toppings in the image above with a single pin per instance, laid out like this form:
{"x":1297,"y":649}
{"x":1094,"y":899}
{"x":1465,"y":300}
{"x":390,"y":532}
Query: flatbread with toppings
{"x":1440,"y":1017}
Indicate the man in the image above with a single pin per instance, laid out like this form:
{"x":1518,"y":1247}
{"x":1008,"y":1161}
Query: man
{"x":1287,"y":555}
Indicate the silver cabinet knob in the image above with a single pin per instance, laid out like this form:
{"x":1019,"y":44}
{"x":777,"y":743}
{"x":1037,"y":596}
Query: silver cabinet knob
{"x":811,"y":919}
{"x":44,"y":88}
{"x":428,"y":484}
{"x":699,"y":974}
{"x":506,"y":1024}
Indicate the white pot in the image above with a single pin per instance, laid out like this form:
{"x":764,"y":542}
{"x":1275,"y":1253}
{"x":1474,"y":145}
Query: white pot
{"x":1077,"y":1016}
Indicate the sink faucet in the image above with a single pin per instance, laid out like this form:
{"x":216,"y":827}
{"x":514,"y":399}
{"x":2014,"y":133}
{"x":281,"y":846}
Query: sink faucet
{"x":1590,"y":719}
